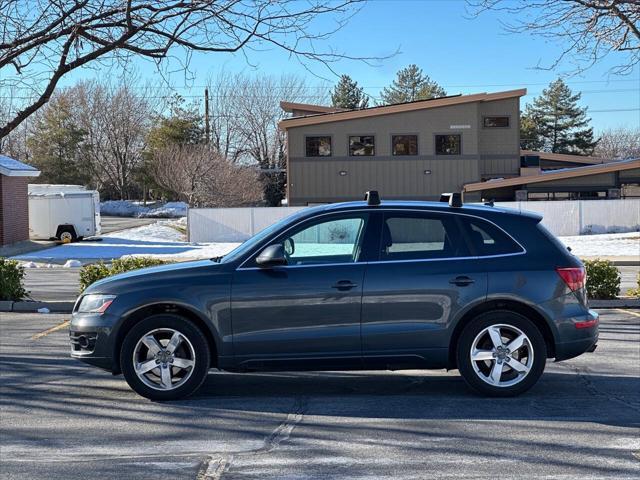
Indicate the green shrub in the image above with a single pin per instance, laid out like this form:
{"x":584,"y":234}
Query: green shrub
{"x":11,"y":275}
{"x":635,"y":292}
{"x":603,"y":279}
{"x":92,"y":273}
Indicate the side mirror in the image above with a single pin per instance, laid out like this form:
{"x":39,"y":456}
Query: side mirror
{"x":272,"y":256}
{"x":289,"y":246}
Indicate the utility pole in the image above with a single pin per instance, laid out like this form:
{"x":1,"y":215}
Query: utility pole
{"x":206,"y":114}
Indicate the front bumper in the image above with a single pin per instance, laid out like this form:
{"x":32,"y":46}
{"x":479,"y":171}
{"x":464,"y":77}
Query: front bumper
{"x":91,"y":339}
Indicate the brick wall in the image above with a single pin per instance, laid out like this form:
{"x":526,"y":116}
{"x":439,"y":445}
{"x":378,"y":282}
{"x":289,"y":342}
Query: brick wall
{"x":14,"y":209}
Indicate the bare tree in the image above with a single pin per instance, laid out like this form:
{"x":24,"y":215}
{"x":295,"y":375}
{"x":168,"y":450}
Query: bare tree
{"x":588,"y":30}
{"x":200,"y":176}
{"x":115,"y":121}
{"x":244,"y":116}
{"x":619,"y":144}
{"x":43,"y":40}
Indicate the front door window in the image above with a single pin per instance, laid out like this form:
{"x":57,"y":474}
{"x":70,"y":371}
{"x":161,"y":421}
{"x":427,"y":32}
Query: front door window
{"x":332,"y":241}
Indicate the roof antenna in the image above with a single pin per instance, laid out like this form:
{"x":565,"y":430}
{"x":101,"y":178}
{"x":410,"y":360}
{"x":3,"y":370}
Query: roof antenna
{"x":490,"y":203}
{"x":372,"y":197}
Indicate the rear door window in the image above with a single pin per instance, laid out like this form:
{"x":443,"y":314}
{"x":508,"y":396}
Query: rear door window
{"x":420,"y":236}
{"x":487,"y":239}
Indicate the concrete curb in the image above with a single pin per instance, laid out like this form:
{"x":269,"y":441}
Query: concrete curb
{"x":6,"y":306}
{"x":33,"y":307}
{"x":617,"y":303}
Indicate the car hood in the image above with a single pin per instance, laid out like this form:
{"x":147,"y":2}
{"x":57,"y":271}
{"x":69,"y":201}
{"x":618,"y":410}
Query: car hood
{"x":142,"y":277}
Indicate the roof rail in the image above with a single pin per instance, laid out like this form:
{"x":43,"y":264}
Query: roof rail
{"x":372,"y":197}
{"x":454,"y":199}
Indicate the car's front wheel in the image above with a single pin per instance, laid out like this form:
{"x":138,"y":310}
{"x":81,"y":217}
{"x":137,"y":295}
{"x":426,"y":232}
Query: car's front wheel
{"x":165,"y":357}
{"x":501,"y":353}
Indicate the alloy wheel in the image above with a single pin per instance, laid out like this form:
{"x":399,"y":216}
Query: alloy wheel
{"x":164,"y":359}
{"x":501,"y":355}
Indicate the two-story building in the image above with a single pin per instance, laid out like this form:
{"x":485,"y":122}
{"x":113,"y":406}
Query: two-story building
{"x":413,"y":150}
{"x":418,"y":150}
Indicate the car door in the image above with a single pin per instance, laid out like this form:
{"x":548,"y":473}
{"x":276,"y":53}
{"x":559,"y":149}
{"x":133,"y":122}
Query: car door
{"x":308,"y":310}
{"x":423,"y":277}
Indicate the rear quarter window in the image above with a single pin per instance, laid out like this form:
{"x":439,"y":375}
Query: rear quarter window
{"x":488,"y":239}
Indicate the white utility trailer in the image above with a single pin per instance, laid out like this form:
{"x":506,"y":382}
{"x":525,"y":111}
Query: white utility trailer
{"x":64,"y":212}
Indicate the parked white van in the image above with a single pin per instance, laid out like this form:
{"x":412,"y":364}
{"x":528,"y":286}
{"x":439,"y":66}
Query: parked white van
{"x":63,"y":212}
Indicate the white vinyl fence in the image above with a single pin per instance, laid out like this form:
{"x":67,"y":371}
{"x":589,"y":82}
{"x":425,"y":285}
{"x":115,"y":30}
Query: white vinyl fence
{"x":563,"y":218}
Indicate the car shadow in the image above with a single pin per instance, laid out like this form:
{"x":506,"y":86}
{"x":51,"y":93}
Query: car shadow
{"x":571,"y":396}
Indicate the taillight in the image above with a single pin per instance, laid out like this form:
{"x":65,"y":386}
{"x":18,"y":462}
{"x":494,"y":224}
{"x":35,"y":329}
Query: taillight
{"x":574,"y":277}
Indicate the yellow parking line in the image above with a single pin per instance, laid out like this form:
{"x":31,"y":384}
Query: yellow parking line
{"x":64,"y":324}
{"x":635,"y":314}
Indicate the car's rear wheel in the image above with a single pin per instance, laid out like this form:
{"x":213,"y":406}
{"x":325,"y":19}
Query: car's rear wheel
{"x":501,"y":353}
{"x":165,"y":357}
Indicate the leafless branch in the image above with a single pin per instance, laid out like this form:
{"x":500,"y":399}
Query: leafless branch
{"x":587,"y":30}
{"x":42,"y":40}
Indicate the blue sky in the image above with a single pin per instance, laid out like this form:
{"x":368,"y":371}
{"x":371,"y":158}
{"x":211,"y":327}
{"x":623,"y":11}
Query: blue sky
{"x":464,"y":55}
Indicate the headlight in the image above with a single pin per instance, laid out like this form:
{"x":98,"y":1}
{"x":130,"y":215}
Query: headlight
{"x":95,"y":303}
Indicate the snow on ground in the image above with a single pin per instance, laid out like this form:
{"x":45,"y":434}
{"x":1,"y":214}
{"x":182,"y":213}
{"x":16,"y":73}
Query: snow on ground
{"x":606,"y":245}
{"x":165,"y":240}
{"x":127,"y":208}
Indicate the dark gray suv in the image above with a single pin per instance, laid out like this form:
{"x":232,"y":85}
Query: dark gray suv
{"x":360,"y":285}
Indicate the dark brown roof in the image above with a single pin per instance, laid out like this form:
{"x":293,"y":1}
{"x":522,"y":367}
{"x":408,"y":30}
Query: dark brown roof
{"x":398,"y":108}
{"x":554,"y":175}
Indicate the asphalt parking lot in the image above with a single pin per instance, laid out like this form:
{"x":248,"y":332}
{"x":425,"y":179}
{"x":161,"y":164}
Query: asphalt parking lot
{"x":61,"y":419}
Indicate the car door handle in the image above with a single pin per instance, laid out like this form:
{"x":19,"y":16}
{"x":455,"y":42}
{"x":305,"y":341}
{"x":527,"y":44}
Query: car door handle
{"x":462,"y":281}
{"x":344,"y":285}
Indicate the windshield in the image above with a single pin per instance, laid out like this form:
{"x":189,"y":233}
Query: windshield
{"x":249,"y":244}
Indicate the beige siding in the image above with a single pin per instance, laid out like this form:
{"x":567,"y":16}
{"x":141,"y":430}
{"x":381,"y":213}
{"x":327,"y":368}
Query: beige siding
{"x":312,"y":180}
{"x":320,"y":180}
{"x":499,"y":147}
{"x":424,"y":123}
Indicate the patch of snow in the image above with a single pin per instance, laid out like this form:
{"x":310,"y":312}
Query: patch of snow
{"x":30,"y":265}
{"x":72,"y":264}
{"x":159,"y":232}
{"x":120,"y":208}
{"x":159,"y":240}
{"x":600,"y":229}
{"x":604,"y":245}
{"x":44,"y":310}
{"x":128,"y":208}
{"x":168,"y":210}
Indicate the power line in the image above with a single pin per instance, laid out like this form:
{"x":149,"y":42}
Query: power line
{"x":323,"y":87}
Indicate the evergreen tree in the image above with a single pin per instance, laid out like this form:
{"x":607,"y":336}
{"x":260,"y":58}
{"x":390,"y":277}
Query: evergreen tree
{"x":57,"y":145}
{"x":183,"y":125}
{"x":411,"y":84}
{"x":347,"y":94}
{"x":556,"y":123}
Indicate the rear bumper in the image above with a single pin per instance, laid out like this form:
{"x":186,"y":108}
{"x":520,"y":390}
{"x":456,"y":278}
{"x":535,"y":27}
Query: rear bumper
{"x":585,"y":337}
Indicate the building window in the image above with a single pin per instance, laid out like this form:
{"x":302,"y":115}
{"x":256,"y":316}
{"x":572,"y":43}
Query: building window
{"x":318,"y":146}
{"x":448,"y":144}
{"x":404,"y":144}
{"x":496,"y":122}
{"x":362,"y":145}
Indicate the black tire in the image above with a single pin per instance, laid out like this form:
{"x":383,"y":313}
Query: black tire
{"x":510,"y":319}
{"x":187,"y":329}
{"x":67,"y":232}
